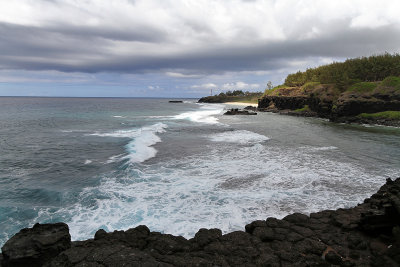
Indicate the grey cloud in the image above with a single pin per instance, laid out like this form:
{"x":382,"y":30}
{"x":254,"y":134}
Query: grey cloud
{"x":71,"y":49}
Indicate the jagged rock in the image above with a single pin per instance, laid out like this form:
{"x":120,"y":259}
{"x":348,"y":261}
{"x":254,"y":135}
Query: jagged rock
{"x":343,"y":110}
{"x":236,"y":111}
{"x":366,"y":235}
{"x":250,"y":108}
{"x":37,"y":245}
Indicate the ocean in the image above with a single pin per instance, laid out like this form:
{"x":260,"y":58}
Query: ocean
{"x":116,"y":163}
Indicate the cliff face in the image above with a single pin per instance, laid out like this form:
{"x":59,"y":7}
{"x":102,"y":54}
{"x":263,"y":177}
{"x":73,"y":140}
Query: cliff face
{"x":329,"y":102}
{"x":366,"y":235}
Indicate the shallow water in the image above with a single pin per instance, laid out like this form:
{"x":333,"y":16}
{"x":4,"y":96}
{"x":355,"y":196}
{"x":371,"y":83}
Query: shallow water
{"x":115,"y":163}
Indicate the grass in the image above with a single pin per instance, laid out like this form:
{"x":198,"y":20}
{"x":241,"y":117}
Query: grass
{"x":303,"y":109}
{"x":391,"y":81}
{"x":310,"y":86}
{"x":273,"y":90}
{"x":363,"y":87}
{"x":391,"y":115}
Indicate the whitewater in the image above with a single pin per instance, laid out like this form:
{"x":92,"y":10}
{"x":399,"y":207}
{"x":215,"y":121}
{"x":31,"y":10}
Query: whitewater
{"x":178,"y":168}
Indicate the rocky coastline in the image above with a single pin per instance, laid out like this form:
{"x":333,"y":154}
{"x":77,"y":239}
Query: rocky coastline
{"x":343,"y":110}
{"x":366,"y":235}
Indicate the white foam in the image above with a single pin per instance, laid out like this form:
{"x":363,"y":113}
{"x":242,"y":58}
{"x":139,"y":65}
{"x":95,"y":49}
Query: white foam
{"x":325,"y":148}
{"x":239,"y":136}
{"x":224,"y":188}
{"x":204,"y":115}
{"x":117,"y":116}
{"x":320,"y":148}
{"x":88,"y":161}
{"x":140,"y":148}
{"x":114,"y":158}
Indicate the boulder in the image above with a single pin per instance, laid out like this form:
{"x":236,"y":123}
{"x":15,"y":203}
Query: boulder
{"x":236,"y":111}
{"x":35,"y":246}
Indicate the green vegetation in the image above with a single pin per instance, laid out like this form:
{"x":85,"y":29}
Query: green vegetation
{"x":364,"y":69}
{"x":363,"y":87}
{"x":310,"y":86}
{"x":391,"y":115}
{"x":336,"y":89}
{"x":275,"y":90}
{"x":391,"y":81}
{"x":303,"y":109}
{"x":360,"y":77}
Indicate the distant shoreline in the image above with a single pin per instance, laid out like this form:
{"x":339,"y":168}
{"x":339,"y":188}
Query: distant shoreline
{"x":241,"y":104}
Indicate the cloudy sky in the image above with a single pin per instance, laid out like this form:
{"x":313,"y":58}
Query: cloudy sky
{"x":181,"y":48}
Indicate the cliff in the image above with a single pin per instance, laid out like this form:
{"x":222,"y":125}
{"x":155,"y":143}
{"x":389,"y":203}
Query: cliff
{"x":366,"y":235}
{"x":350,"y":104}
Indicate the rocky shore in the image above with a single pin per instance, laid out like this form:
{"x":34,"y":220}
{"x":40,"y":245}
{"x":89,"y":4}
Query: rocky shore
{"x":366,"y":235}
{"x":344,"y":109}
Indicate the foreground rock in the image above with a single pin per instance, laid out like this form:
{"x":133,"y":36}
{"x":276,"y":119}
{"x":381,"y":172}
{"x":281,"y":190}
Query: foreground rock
{"x":36,"y":246}
{"x":366,"y":235}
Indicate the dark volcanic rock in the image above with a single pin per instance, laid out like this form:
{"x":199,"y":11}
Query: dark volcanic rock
{"x":236,"y":111}
{"x":284,"y":102}
{"x":345,"y":109}
{"x":250,"y":108}
{"x":366,"y":235}
{"x":37,"y":245}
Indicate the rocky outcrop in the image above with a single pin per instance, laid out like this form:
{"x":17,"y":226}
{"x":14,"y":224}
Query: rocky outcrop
{"x":236,"y":111}
{"x":344,"y":109}
{"x":355,"y":106}
{"x":366,"y":235}
{"x":283,"y":102}
{"x":37,"y":245}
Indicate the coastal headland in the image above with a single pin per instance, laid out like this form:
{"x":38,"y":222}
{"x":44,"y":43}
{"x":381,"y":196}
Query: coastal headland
{"x":362,"y":90}
{"x":366,"y":235}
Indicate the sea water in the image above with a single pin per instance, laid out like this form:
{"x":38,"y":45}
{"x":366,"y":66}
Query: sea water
{"x":116,"y":163}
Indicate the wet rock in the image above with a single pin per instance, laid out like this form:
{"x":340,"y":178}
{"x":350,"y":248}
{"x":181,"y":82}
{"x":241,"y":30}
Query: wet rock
{"x":236,"y":111}
{"x":250,"y":108}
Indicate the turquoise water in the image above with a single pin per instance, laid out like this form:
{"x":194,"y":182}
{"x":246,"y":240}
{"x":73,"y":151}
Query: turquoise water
{"x":115,"y":163}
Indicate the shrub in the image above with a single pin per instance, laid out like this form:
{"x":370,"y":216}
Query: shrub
{"x":391,"y":81}
{"x":303,"y":109}
{"x":363,"y":87}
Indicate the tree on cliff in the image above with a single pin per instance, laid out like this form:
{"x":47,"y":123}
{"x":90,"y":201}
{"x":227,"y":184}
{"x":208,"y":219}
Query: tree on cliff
{"x":367,"y":69}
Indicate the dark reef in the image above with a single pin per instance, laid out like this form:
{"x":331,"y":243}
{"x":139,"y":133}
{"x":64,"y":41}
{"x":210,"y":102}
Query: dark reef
{"x":366,"y":235}
{"x":236,"y":111}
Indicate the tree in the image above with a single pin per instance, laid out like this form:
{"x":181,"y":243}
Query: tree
{"x":269,"y":85}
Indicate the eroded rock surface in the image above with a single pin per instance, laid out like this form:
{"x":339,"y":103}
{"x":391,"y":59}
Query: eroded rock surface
{"x":366,"y":235}
{"x":37,"y":245}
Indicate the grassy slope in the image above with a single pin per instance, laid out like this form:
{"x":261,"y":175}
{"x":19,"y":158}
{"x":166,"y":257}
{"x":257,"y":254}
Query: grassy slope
{"x":390,"y":115}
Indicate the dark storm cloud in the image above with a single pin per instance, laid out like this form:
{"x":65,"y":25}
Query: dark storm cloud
{"x":187,"y":42}
{"x":34,"y":48}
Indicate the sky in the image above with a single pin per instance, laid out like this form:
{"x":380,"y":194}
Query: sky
{"x":181,"y":48}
